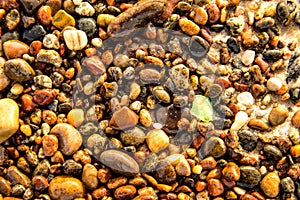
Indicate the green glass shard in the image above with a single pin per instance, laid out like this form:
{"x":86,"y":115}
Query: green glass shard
{"x":202,"y":108}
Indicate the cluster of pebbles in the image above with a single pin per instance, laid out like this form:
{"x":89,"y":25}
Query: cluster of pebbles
{"x":150,"y":99}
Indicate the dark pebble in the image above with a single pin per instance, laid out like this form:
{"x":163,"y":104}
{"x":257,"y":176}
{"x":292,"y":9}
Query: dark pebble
{"x":272,"y":152}
{"x":88,"y":25}
{"x":233,"y":45}
{"x":287,"y":184}
{"x":265,"y":23}
{"x":18,"y":69}
{"x":198,"y":46}
{"x":35,"y":33}
{"x":247,"y":139}
{"x":10,"y":36}
{"x":297,"y":18}
{"x":282,"y":10}
{"x":250,"y":177}
{"x":42,"y":168}
{"x":31,"y":5}
{"x":150,"y":163}
{"x":44,"y":97}
{"x":272,"y":55}
{"x":70,"y":167}
{"x":165,"y":172}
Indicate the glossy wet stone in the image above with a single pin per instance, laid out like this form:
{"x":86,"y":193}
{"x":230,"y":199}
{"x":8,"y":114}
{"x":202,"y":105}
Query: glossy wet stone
{"x":5,"y":187}
{"x":165,"y":172}
{"x":88,"y":25}
{"x":250,"y":177}
{"x":50,"y":57}
{"x":270,"y":184}
{"x":126,"y":192}
{"x":278,"y":116}
{"x":157,"y":140}
{"x":18,"y":69}
{"x":215,"y":147}
{"x":15,"y":49}
{"x":247,"y":139}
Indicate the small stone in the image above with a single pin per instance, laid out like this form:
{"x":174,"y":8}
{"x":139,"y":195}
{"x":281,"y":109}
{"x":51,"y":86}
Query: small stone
{"x":273,"y":55}
{"x":287,"y":184}
{"x":123,"y":119}
{"x":236,"y":25}
{"x":15,"y":177}
{"x":50,"y":41}
{"x":248,"y":57}
{"x":233,"y":45}
{"x":104,"y":20}
{"x":157,"y":140}
{"x":213,"y":13}
{"x":200,"y":16}
{"x":40,"y":183}
{"x":215,"y":187}
{"x":183,"y":168}
{"x":214,"y":146}
{"x":88,"y":25}
{"x":37,"y":32}
{"x":4,"y":80}
{"x":265,"y":23}
{"x":278,"y":115}
{"x":5,"y":188}
{"x":15,"y":49}
{"x":282,"y":10}
{"x":165,"y":172}
{"x":89,"y":176}
{"x":188,"y":27}
{"x":295,"y":151}
{"x":25,"y":128}
{"x":18,"y":69}
{"x":12,"y":19}
{"x":70,"y":167}
{"x":246,"y":99}
{"x":270,"y":184}
{"x":10,"y":121}
{"x":161,"y":94}
{"x":43,"y":81}
{"x":100,"y":192}
{"x":94,"y":65}
{"x":50,"y":144}
{"x":133,"y":137}
{"x":62,"y":19}
{"x":44,"y":15}
{"x":120,"y":162}
{"x":179,"y":74}
{"x":250,"y":176}
{"x":9,"y":4}
{"x":231,"y":172}
{"x":121,"y":60}
{"x":70,"y":139}
{"x":31,"y":5}
{"x":116,"y":182}
{"x":126,"y":192}
{"x":274,"y":84}
{"x":149,"y":76}
{"x":17,"y":89}
{"x":75,"y":39}
{"x":296,"y":119}
{"x":258,"y":124}
{"x":44,"y":97}
{"x":65,"y":188}
{"x":50,"y":57}
{"x":247,"y":139}
{"x":75,"y":117}
{"x":85,"y":9}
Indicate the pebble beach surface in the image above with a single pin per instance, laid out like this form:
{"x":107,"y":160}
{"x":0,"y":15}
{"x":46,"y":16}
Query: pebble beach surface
{"x":149,"y":99}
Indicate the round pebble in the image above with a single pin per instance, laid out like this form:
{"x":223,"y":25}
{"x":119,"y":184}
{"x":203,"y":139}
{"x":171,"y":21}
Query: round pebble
{"x":270,"y":184}
{"x":157,"y":140}
{"x":274,"y":84}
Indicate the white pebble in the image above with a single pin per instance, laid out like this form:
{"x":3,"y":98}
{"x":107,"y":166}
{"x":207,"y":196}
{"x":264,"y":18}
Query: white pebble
{"x":274,"y":84}
{"x":246,"y":99}
{"x":248,"y":57}
{"x":241,"y":118}
{"x":85,"y":9}
{"x":75,"y":39}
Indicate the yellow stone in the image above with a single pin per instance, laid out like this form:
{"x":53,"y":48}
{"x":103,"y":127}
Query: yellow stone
{"x":9,"y":118}
{"x":62,"y":19}
{"x":163,"y":187}
{"x":25,"y":128}
{"x":157,"y":140}
{"x":75,"y":117}
{"x":104,"y":20}
{"x":295,"y":151}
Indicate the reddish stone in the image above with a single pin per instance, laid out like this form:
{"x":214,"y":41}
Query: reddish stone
{"x":224,"y":82}
{"x":208,"y":163}
{"x":39,"y":182}
{"x":215,"y":187}
{"x":123,"y":119}
{"x":44,"y":15}
{"x":200,"y":186}
{"x":35,"y":47}
{"x":27,"y":103}
{"x":44,"y":97}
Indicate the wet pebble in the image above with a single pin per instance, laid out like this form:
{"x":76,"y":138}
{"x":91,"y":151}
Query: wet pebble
{"x":180,"y":76}
{"x":44,"y":97}
{"x":270,"y":184}
{"x":287,"y":184}
{"x":65,"y":188}
{"x":5,"y":187}
{"x":134,"y":137}
{"x":89,"y":176}
{"x":149,"y":76}
{"x":12,"y":19}
{"x":157,"y":140}
{"x":50,"y":41}
{"x":71,"y":167}
{"x":40,"y":183}
{"x":104,"y":20}
{"x":231,"y":172}
{"x":15,"y":49}
{"x":10,"y":121}
{"x":85,"y":9}
{"x":250,"y":176}
{"x":18,"y":69}
{"x":126,"y":192}
{"x":233,"y":45}
{"x":215,"y":147}
{"x":117,"y":120}
{"x":44,"y":15}
{"x":247,"y":139}
{"x":282,"y":10}
{"x":165,"y":172}
{"x":265,"y":23}
{"x":183,"y":168}
{"x":43,"y":81}
{"x":200,"y":16}
{"x":213,"y":13}
{"x":278,"y":115}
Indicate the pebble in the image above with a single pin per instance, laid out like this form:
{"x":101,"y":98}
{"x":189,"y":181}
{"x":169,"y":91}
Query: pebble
{"x":247,"y":139}
{"x":246,"y":99}
{"x":117,"y":120}
{"x":70,"y":139}
{"x":273,"y":55}
{"x":120,"y":162}
{"x":270,"y":184}
{"x":37,"y":32}
{"x":231,"y":172}
{"x":274,"y":84}
{"x":200,"y":16}
{"x":296,"y":119}
{"x":12,"y":19}
{"x":50,"y":57}
{"x":71,"y":167}
{"x":125,"y":192}
{"x":17,"y":89}
{"x":15,"y":177}
{"x":265,"y":23}
{"x":43,"y":81}
{"x":133,"y":137}
{"x":282,"y":10}
{"x":65,"y":188}
{"x":241,"y":118}
{"x":214,"y":146}
{"x":287,"y":184}
{"x":215,"y":187}
{"x":188,"y":26}
{"x":235,"y":25}
{"x":258,"y":124}
{"x":157,"y":140}
{"x":149,"y":76}
{"x":40,"y":183}
{"x":94,"y":65}
{"x":44,"y":15}
{"x":4,"y":80}
{"x":5,"y":188}
{"x":18,"y":69}
{"x":88,"y":25}
{"x":10,"y":121}
{"x":100,"y":192}
{"x":295,"y":151}
{"x":248,"y":57}
{"x":15,"y":49}
{"x":62,"y":19}
{"x":75,"y":39}
{"x":250,"y":177}
{"x":89,"y":176}
{"x":213,"y":13}
{"x":278,"y":115}
{"x":50,"y":144}
{"x":50,"y":41}
{"x":179,"y":74}
{"x":75,"y":117}
{"x":44,"y":97}
{"x":31,"y":5}
{"x":233,"y":45}
{"x":104,"y":20}
{"x":49,"y":117}
{"x":183,"y":168}
{"x":85,"y":9}
{"x":165,"y":172}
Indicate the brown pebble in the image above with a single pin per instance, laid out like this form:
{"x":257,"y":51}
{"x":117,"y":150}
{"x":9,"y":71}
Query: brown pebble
{"x":126,"y":192}
{"x":104,"y":175}
{"x":188,"y":27}
{"x":44,"y":97}
{"x":200,"y":16}
{"x":35,"y":47}
{"x":231,"y":172}
{"x":39,"y":182}
{"x":270,"y":184}
{"x":50,"y":144}
{"x":215,"y":187}
{"x":15,"y":49}
{"x":123,"y":119}
{"x":100,"y":192}
{"x":49,"y":117}
{"x":27,"y":103}
{"x":296,"y":119}
{"x":5,"y":188}
{"x":116,"y":182}
{"x":200,"y":186}
{"x":16,"y":176}
{"x":89,"y":176}
{"x":213,"y":13}
{"x":208,"y":163}
{"x":258,"y":124}
{"x":44,"y":15}
{"x":278,"y":115}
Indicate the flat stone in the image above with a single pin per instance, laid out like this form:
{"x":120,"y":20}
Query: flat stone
{"x":270,"y":184}
{"x":123,"y":119}
{"x":62,"y":19}
{"x":9,"y":123}
{"x":75,"y":39}
{"x":35,"y":33}
{"x":17,"y":177}
{"x":258,"y":124}
{"x":19,"y":70}
{"x":65,"y":188}
{"x":278,"y":115}
{"x":50,"y":57}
